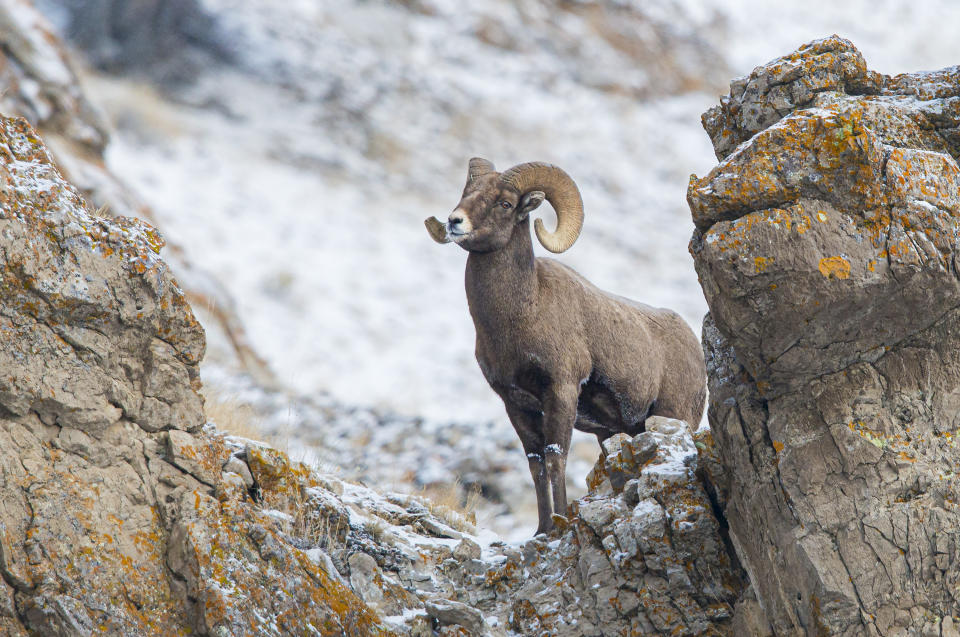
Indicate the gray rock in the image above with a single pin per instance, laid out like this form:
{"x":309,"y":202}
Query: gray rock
{"x":449,"y":612}
{"x":239,"y":467}
{"x":438,"y":528}
{"x":467,"y":549}
{"x":625,"y":459}
{"x":363,"y":574}
{"x":826,"y":245}
{"x":651,"y":559}
{"x":183,"y":452}
{"x":948,"y":627}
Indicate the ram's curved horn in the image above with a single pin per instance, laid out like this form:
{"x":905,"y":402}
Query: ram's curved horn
{"x":562,"y":194}
{"x":478,"y":167}
{"x":437,"y":230}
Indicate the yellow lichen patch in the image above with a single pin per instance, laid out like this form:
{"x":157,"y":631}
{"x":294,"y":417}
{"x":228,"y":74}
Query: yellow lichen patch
{"x":895,"y":442}
{"x":777,"y":446}
{"x":900,"y":249}
{"x":116,"y":561}
{"x":903,"y":455}
{"x":821,"y":216}
{"x":834,"y":268}
{"x":872,"y":265}
{"x":761,"y":263}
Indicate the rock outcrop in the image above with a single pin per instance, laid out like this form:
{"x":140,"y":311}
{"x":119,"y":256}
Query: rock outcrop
{"x":116,"y":515}
{"x":94,"y":329}
{"x":827,"y":248}
{"x":643,"y":553}
{"x":170,"y":42}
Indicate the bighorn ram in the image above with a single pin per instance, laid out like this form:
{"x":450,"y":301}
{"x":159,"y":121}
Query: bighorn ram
{"x":558,"y":351}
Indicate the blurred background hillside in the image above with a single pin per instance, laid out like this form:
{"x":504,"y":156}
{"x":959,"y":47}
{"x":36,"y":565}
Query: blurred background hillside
{"x":289,"y":152}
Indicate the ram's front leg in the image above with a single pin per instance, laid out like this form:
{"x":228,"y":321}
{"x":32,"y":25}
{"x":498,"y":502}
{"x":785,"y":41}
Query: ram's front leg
{"x":559,"y":416}
{"x":527,"y":424}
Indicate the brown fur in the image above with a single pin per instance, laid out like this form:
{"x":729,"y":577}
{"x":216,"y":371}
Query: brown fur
{"x":560,"y":352}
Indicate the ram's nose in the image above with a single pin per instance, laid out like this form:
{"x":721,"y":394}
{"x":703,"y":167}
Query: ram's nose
{"x":458,"y":223}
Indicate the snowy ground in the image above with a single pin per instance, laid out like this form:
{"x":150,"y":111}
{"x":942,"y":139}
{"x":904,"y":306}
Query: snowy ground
{"x":301,"y":175}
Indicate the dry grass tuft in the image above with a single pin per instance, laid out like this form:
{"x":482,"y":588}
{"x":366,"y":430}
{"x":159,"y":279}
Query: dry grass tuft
{"x":231,"y":416}
{"x":450,"y":504}
{"x":236,"y":418}
{"x":376,"y":528}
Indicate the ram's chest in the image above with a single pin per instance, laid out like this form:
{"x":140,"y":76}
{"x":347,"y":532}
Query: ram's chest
{"x":499,"y":357}
{"x":517,"y":372}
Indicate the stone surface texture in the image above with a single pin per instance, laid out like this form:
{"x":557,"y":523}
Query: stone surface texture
{"x":827,"y":249}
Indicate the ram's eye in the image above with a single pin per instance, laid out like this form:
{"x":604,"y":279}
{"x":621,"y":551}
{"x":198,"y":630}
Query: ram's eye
{"x":505,"y":205}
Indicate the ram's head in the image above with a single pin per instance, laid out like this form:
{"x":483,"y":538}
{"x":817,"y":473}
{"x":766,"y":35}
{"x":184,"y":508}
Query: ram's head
{"x":494,"y":203}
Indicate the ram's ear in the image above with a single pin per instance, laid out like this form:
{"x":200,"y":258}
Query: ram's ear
{"x":530,"y":202}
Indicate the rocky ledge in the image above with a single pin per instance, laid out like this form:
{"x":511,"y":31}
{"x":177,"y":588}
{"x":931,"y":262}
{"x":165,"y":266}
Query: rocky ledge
{"x":827,"y":248}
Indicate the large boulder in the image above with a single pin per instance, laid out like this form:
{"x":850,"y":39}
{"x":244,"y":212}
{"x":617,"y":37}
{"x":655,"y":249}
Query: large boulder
{"x":93,"y":328}
{"x":827,"y":248}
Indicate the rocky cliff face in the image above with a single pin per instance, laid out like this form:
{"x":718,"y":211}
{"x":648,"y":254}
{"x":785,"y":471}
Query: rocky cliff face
{"x":827,"y":248}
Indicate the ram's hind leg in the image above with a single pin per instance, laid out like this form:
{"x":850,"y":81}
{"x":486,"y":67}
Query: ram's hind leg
{"x":528,"y":427}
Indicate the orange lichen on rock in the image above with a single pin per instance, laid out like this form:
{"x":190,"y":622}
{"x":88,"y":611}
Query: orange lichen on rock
{"x":834,"y":267}
{"x":761,"y":263}
{"x":844,"y":154}
{"x":245,"y":576}
{"x":119,"y":518}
